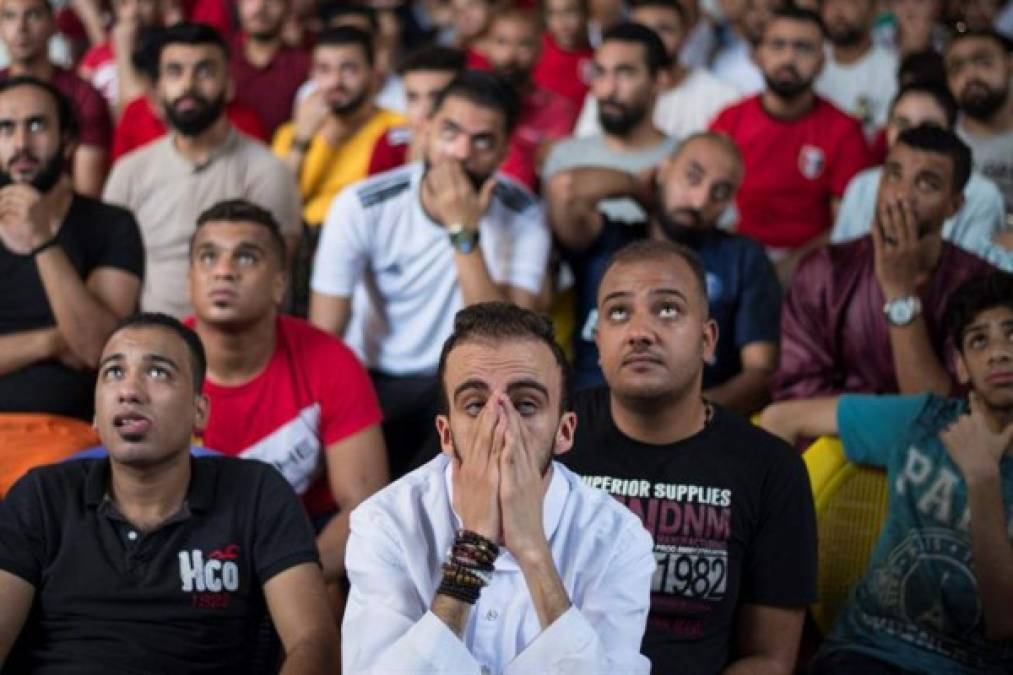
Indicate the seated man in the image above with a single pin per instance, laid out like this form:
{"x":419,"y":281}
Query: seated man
{"x":937,"y":593}
{"x":425,"y":73}
{"x":983,"y":213}
{"x":25,"y":29}
{"x":71,"y":268}
{"x":540,"y":573}
{"x":692,"y":97}
{"x":582,"y":175}
{"x":696,"y":185}
{"x":281,"y":391}
{"x":168,"y":183}
{"x":150,"y":557}
{"x":513,"y":50}
{"x":866,"y":316}
{"x":328,"y":143}
{"x":729,"y":506}
{"x":401,"y":252}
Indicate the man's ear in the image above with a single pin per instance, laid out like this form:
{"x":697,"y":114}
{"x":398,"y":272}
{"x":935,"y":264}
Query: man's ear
{"x":202,"y":412}
{"x":710,"y":340}
{"x":445,"y":434}
{"x":565,"y":432}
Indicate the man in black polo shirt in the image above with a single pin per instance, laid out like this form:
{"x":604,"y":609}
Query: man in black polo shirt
{"x":728,"y":505}
{"x":150,"y":560}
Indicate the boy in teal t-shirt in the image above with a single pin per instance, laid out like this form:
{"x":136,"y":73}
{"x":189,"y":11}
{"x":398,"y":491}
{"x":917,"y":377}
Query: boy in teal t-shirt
{"x":937,"y":596}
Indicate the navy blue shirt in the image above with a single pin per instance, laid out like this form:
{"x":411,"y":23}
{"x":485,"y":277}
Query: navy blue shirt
{"x":742,"y":289}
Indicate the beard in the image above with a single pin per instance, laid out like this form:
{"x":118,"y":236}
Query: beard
{"x":845,"y":35}
{"x":982,"y":101}
{"x":622,"y":122}
{"x":351,"y":105}
{"x":514,"y":75}
{"x":683,"y":226}
{"x":198,"y":119}
{"x":787,"y":87}
{"x":45,"y":178}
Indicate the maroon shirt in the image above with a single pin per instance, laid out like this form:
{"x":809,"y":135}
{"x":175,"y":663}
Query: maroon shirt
{"x":834,"y":336}
{"x":270,"y":90}
{"x":88,"y":104}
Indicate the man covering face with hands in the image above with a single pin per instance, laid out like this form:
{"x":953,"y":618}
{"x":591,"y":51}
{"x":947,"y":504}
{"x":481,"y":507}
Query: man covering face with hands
{"x":493,"y":558}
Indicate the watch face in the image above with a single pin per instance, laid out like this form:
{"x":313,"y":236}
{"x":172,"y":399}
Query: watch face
{"x":900,"y":311}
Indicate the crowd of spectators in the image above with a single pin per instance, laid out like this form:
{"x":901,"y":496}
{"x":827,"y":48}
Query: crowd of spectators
{"x":526,"y":310}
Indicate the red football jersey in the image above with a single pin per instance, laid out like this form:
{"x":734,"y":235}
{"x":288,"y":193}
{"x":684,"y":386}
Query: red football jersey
{"x":793,"y":168}
{"x":545,"y":116}
{"x":313,"y":393}
{"x":566,"y":73}
{"x":390,"y":150}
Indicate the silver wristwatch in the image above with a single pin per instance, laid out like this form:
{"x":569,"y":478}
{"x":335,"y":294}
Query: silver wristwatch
{"x":902,"y":311}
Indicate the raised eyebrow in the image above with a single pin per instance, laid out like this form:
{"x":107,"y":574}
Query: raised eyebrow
{"x":521,"y":385}
{"x":162,"y":360}
{"x":669,"y":291}
{"x":112,"y":357}
{"x":616,"y":295}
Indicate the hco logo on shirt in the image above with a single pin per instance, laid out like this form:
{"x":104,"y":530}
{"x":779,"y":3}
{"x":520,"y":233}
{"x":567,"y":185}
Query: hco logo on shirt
{"x":210,"y":579}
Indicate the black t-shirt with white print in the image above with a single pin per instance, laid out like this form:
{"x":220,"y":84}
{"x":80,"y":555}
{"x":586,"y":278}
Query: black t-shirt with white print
{"x":731,"y":514}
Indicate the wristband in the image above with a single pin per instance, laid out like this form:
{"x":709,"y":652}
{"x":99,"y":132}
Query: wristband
{"x":42,"y":247}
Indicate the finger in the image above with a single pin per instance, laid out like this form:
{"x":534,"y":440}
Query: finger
{"x":974,"y":403}
{"x":876,"y":231}
{"x":907,"y":232}
{"x":889,"y":226}
{"x":482,"y":436}
{"x":523,"y":451}
{"x":485,"y":196}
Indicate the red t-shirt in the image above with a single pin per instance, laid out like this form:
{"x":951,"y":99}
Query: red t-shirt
{"x":88,"y":104}
{"x":793,"y":168}
{"x":476,"y":60}
{"x":139,"y":125}
{"x":270,"y":90}
{"x":98,"y":67}
{"x":390,"y":150}
{"x":566,"y":73}
{"x":312,"y":394}
{"x":545,"y":116}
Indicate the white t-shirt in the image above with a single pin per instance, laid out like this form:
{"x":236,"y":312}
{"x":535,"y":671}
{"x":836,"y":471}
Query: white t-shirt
{"x":733,"y":63}
{"x":379,"y":247}
{"x":679,"y":112}
{"x":864,"y":88}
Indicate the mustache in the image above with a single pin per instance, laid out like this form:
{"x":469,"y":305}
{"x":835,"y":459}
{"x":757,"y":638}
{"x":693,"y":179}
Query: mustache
{"x":191,"y":95}
{"x":20,"y":155}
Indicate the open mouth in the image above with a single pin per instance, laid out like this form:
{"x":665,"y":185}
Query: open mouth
{"x":131,"y":426}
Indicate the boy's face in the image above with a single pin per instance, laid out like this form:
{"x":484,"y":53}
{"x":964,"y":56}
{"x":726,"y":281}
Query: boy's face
{"x":986,"y":357}
{"x":566,"y":20}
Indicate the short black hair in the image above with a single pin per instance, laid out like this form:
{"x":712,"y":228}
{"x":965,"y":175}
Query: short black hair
{"x":330,"y":11}
{"x":70,"y":126}
{"x":924,"y":67}
{"x":185,"y":33}
{"x":484,"y":89}
{"x":343,"y":36}
{"x":503,"y":321}
{"x":974,"y":296}
{"x":241,"y":210}
{"x":793,"y":12}
{"x":432,"y":57}
{"x":944,"y":142}
{"x":652,"y":250}
{"x":1004,"y":43}
{"x":940,"y":94}
{"x":673,"y":5}
{"x":198,"y":357}
{"x":654,"y":49}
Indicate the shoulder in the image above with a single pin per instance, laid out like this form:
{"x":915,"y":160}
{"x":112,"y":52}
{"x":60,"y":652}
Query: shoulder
{"x":826,"y":114}
{"x":595,"y":514}
{"x":514,"y":196}
{"x":733,"y":113}
{"x":143,"y":160}
{"x":397,"y":136}
{"x":254,"y":154}
{"x":237,"y":476}
{"x":764,"y":451}
{"x":409,"y":506}
{"x":964,"y":264}
{"x":98,"y":55}
{"x":312,"y":346}
{"x":102,"y":214}
{"x":383,"y":188}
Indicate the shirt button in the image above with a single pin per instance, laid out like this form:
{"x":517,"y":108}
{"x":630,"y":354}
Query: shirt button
{"x":492,"y":615}
{"x":131,"y":535}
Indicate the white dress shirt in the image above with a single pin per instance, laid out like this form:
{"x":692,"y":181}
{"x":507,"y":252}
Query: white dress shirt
{"x":401,"y":535}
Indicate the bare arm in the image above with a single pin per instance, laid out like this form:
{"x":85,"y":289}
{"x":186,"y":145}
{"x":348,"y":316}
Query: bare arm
{"x":573,"y":197}
{"x":807,"y":418}
{"x":767,"y":640}
{"x":90,"y":167}
{"x":452,"y":612}
{"x":917,"y":367}
{"x":86,"y":312}
{"x":297,"y":601}
{"x":545,"y":587}
{"x":749,"y":390}
{"x":356,"y":468}
{"x":330,"y":312}
{"x":18,"y":350}
{"x":16,"y":596}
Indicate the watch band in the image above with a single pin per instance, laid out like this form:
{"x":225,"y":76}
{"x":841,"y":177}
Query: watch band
{"x":463,"y":240}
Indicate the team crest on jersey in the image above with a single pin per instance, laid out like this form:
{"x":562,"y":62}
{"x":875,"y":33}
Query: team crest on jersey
{"x":811,"y":161}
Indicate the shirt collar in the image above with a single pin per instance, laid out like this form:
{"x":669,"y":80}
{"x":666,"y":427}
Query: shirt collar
{"x":226,"y":147}
{"x":552,"y":508}
{"x":199,"y":495}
